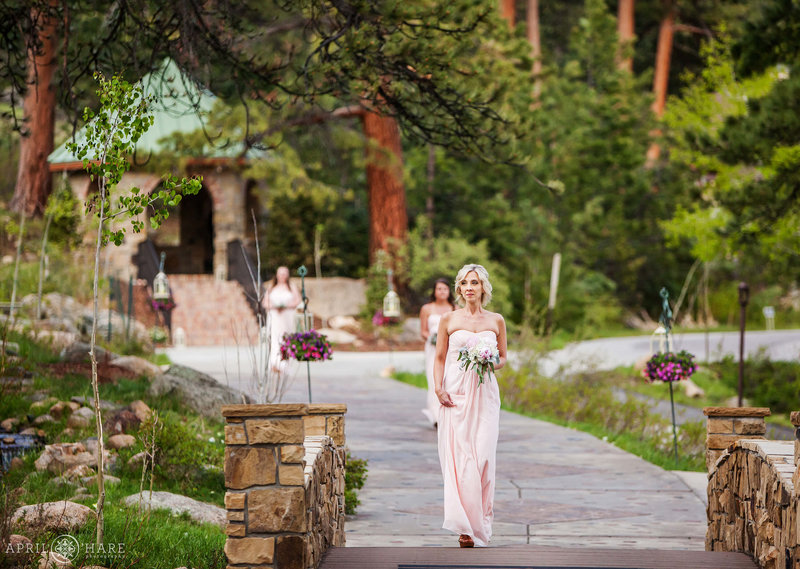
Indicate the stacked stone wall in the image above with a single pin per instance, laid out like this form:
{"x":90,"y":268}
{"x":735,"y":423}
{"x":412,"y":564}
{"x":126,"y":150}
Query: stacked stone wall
{"x":752,"y":504}
{"x":284,"y":479}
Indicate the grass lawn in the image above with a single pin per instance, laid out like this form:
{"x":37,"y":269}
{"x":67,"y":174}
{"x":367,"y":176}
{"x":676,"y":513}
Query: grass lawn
{"x":644,"y":448}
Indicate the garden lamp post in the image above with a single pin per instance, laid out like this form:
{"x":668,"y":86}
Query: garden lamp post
{"x":744,"y":297}
{"x":302,"y":272}
{"x":666,"y":322}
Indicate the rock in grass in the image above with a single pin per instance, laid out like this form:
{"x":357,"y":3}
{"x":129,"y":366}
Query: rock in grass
{"x":61,"y":516}
{"x":8,"y":425}
{"x":137,"y":365}
{"x":117,"y":442}
{"x":198,"y":391}
{"x":140,"y":409}
{"x":42,"y":419}
{"x":198,"y":511}
{"x":81,"y":419}
{"x":61,"y":457}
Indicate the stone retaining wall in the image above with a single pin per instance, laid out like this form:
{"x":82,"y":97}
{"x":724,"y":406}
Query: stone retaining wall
{"x":726,"y":425}
{"x":752,"y":504}
{"x":284,"y":476}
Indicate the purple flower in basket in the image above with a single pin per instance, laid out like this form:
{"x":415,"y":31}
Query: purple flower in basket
{"x":669,"y":366}
{"x":308,"y":346}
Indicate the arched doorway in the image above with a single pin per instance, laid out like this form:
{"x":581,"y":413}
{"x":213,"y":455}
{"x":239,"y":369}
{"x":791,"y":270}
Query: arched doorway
{"x":187,"y":236}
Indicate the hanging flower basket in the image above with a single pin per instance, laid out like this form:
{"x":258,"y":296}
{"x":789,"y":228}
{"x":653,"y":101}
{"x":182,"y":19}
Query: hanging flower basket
{"x":163,"y":305}
{"x":669,"y":367}
{"x":308,"y":346}
{"x":378,"y":319}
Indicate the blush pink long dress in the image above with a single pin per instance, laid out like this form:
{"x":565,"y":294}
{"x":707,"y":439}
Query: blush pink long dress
{"x":468,"y":444}
{"x":431,"y":410}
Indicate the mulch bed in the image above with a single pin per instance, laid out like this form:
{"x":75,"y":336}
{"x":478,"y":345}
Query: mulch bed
{"x":106,"y":372}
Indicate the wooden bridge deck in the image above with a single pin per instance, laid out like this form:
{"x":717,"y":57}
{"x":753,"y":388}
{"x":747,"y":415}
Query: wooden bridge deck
{"x":527,"y":557}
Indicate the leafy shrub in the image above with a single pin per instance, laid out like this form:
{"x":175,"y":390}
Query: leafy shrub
{"x":355,"y":476}
{"x":767,"y":383}
{"x":186,"y":456}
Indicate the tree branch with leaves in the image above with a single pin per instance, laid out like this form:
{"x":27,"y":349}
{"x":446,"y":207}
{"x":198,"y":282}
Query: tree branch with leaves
{"x":111,"y":137}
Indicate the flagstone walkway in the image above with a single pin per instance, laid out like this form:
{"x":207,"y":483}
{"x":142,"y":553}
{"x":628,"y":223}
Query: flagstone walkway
{"x":555,"y":486}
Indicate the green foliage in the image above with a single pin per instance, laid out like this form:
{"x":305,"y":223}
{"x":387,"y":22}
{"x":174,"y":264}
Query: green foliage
{"x":767,"y":383}
{"x":187,"y":457}
{"x":111,"y":135}
{"x":426,"y":261}
{"x":354,"y":478}
{"x":63,"y":208}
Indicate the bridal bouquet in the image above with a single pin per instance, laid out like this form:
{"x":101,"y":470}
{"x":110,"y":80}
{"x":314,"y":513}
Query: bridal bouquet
{"x":432,"y":338}
{"x":479,"y":354}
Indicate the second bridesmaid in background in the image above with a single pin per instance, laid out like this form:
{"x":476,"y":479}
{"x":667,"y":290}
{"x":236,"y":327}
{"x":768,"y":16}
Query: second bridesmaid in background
{"x":442,"y":302}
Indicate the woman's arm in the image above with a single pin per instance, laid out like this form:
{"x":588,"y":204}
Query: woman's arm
{"x":296,"y":300}
{"x":423,"y":323}
{"x":442,"y":343}
{"x":265,"y":301}
{"x":502,"y":344}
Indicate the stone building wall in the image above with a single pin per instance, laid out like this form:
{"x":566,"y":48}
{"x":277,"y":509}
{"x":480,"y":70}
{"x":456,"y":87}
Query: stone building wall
{"x":284,"y":479}
{"x":752,"y":504}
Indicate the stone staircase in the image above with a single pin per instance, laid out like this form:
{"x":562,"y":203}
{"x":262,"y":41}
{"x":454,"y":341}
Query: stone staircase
{"x":211,"y":312}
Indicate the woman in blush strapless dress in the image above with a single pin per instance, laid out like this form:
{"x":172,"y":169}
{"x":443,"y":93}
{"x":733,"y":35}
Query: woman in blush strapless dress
{"x":442,"y":302}
{"x":470,"y":412}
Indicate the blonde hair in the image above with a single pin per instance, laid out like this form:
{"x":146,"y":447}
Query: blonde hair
{"x":483,"y":275}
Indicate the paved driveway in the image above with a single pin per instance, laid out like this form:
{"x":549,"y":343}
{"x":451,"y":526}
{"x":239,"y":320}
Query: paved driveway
{"x":555,"y":486}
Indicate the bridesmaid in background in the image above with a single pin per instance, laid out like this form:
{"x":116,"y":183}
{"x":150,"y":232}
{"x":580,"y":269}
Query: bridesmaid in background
{"x":469,"y":416}
{"x":280,"y":301}
{"x":442,"y":302}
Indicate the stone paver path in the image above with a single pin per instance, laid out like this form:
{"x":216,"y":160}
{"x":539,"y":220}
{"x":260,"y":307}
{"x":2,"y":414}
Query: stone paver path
{"x":555,"y":486}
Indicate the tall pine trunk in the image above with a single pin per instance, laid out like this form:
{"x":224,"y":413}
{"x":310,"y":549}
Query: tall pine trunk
{"x":661,"y":78}
{"x":534,"y":37}
{"x":507,"y":12}
{"x":33,"y":174}
{"x":388,"y":220}
{"x":625,"y":20}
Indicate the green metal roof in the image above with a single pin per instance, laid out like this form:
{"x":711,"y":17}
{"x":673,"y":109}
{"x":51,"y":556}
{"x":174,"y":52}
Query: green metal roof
{"x":180,"y":107}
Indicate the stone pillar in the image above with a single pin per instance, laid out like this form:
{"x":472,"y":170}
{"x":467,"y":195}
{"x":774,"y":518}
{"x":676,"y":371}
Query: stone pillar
{"x":726,"y":425}
{"x":282,"y":512}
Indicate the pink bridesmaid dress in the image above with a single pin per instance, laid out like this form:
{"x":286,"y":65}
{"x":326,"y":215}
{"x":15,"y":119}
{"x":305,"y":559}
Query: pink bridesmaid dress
{"x":468,"y":444}
{"x":432,"y":404}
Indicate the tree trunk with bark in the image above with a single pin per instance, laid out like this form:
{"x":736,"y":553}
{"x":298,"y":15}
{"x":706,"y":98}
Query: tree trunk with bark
{"x":388,"y":220}
{"x":625,"y":14}
{"x":661,"y":78}
{"x":34,"y":181}
{"x":534,"y":37}
{"x":507,"y":12}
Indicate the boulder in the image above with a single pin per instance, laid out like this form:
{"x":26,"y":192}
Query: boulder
{"x":59,"y":458}
{"x":78,"y":352}
{"x":140,"y":409}
{"x":139,"y":366}
{"x":77,"y":472}
{"x":29,"y":431}
{"x":9,"y":425}
{"x":87,"y":401}
{"x":135,"y":462}
{"x":62,"y":516}
{"x":198,"y":391}
{"x":346,"y":323}
{"x":198,"y":511}
{"x":117,"y":442}
{"x":81,"y":419}
{"x":56,"y":339}
{"x":337,"y":336}
{"x":53,"y":560}
{"x":411,"y":331}
{"x":43,"y":419}
{"x":16,"y":462}
{"x":42,"y":405}
{"x":121,"y":422}
{"x":92,"y":480}
{"x":691,"y":389}
{"x":60,"y":409}
{"x":12,"y":348}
